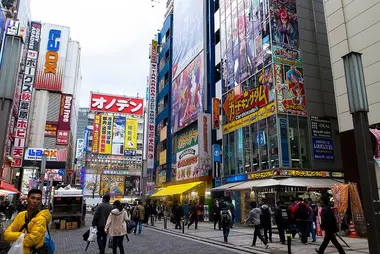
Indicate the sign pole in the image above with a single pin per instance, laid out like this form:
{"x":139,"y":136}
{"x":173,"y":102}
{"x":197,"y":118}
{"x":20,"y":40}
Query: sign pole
{"x":42,"y":171}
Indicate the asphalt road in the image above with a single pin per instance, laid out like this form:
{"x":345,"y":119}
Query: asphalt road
{"x":150,"y":241}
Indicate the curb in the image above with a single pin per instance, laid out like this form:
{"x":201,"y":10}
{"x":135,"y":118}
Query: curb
{"x":218,"y":243}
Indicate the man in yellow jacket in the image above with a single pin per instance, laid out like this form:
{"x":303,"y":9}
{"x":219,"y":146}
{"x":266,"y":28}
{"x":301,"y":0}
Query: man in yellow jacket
{"x":34,"y":219}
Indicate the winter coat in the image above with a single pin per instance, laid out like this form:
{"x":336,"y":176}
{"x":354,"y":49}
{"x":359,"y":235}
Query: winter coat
{"x":101,"y":214}
{"x":117,"y":223}
{"x":254,"y":216}
{"x":37,"y":227}
{"x":142,"y":211}
{"x":266,"y":214}
{"x":328,"y":220}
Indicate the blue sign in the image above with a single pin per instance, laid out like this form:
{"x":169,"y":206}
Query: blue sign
{"x":323,"y":149}
{"x":217,"y":182}
{"x":61,"y":172}
{"x":284,"y":143}
{"x":130,"y":152}
{"x":217,"y":156}
{"x":237,"y":178}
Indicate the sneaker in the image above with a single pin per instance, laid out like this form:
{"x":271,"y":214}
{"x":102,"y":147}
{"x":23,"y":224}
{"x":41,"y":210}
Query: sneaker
{"x":316,"y":250}
{"x":253,"y":245}
{"x":314,"y":241}
{"x":266,"y":246}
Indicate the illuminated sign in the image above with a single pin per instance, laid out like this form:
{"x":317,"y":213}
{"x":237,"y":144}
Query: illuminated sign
{"x":294,"y":173}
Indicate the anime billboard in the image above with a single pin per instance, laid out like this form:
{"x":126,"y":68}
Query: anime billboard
{"x":285,"y":35}
{"x":112,"y":184}
{"x":187,"y":95}
{"x":290,"y":89}
{"x":187,"y":33}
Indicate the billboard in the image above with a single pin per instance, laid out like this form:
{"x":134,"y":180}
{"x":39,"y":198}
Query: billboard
{"x":51,"y":129}
{"x":187,"y":33}
{"x":91,"y":184}
{"x":118,"y":135}
{"x":285,"y":35}
{"x":187,"y":138}
{"x":131,"y":134}
{"x":80,"y":148}
{"x":52,"y":59}
{"x":35,"y":154}
{"x":187,"y":163}
{"x":215,"y":113}
{"x":26,"y":94}
{"x":204,"y":142}
{"x":96,"y":133}
{"x":152,"y":106}
{"x":116,"y":104}
{"x":290,"y":90}
{"x":65,"y":112}
{"x":52,"y":174}
{"x":105,"y":134}
{"x":28,"y":175}
{"x":187,"y":92}
{"x":63,"y":138}
{"x":132,"y":185}
{"x":112,"y":184}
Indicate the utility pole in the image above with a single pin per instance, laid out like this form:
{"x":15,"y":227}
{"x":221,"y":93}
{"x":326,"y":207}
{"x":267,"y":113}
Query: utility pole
{"x":42,"y":171}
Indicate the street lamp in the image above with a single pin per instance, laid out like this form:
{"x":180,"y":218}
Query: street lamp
{"x":358,"y":103}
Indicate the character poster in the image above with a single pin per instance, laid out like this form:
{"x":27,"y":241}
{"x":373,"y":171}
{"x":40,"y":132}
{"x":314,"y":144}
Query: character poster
{"x":92,"y":184}
{"x":187,"y":95}
{"x":290,"y":89}
{"x":132,"y":185}
{"x":118,"y":135}
{"x":112,"y":184}
{"x":285,"y":35}
{"x":187,"y":33}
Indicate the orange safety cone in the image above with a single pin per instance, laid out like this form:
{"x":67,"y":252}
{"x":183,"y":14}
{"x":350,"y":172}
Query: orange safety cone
{"x":352,"y":232}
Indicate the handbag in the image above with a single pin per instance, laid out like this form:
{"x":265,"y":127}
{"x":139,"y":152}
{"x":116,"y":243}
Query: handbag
{"x":18,"y":246}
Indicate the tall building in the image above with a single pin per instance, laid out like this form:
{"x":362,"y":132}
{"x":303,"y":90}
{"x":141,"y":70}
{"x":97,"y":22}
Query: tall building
{"x":82,"y":122}
{"x":353,"y":26}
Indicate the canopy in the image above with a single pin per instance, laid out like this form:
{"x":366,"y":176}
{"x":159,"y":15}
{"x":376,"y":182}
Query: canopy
{"x":8,"y":188}
{"x":225,"y":186}
{"x":176,"y":189}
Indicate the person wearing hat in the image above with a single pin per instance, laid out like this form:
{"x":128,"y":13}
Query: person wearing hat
{"x":100,"y":218}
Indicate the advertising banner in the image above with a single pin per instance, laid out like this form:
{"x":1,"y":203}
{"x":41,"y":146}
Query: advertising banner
{"x":162,"y":158}
{"x":91,"y":184}
{"x":323,"y":149}
{"x":52,"y":174}
{"x":112,"y":184}
{"x":285,"y":35}
{"x":320,"y":127}
{"x":63,"y":138}
{"x":132,"y":185}
{"x":187,"y":92}
{"x":96,"y":133}
{"x":131,"y":134}
{"x":152,"y":107}
{"x":376,"y":133}
{"x":215,"y":113}
{"x":204,"y":143}
{"x":187,"y":138}
{"x":35,"y":154}
{"x":118,"y":135}
{"x":26,"y":94}
{"x":340,"y":194}
{"x":116,"y":104}
{"x":27,"y":179}
{"x":106,"y":134}
{"x":249,"y":107}
{"x":79,"y":149}
{"x":290,"y":89}
{"x":187,"y":164}
{"x":51,"y":129}
{"x":187,"y":33}
{"x":52,"y":59}
{"x":65,"y":112}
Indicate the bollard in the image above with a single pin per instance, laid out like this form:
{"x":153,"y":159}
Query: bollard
{"x":289,"y":239}
{"x":165,"y":222}
{"x":183,"y":226}
{"x":152,"y":220}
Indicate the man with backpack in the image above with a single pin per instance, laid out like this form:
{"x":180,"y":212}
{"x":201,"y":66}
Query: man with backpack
{"x":301,"y":213}
{"x":266,"y":221}
{"x":138,"y":214}
{"x":33,"y":223}
{"x":225,"y":220}
{"x":281,"y":219}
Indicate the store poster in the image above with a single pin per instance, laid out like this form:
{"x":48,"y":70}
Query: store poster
{"x":340,"y":194}
{"x":187,"y":164}
{"x":91,"y":184}
{"x":187,"y":94}
{"x":376,"y":133}
{"x":131,"y":134}
{"x":284,"y":141}
{"x":27,"y":180}
{"x":290,"y":90}
{"x":105,"y":146}
{"x":323,"y":149}
{"x":285,"y":35}
{"x":118,"y":135}
{"x":132,"y":185}
{"x":204,"y":143}
{"x":112,"y":184}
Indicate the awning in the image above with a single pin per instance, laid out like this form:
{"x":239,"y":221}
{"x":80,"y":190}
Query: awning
{"x":253,"y":184}
{"x":225,"y":186}
{"x":176,"y":189}
{"x":8,"y":188}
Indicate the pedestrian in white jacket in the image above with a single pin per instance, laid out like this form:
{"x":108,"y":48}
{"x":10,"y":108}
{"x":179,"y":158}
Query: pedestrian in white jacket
{"x":116,"y":226}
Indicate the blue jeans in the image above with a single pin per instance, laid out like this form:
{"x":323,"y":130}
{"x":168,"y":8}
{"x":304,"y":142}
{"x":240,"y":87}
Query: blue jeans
{"x":139,"y":226}
{"x":102,"y":239}
{"x":312,"y":231}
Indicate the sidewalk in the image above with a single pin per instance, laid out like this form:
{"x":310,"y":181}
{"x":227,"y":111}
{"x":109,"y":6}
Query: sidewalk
{"x":241,"y":238}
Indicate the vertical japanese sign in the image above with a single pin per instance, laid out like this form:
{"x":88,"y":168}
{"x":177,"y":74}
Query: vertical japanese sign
{"x":118,"y":135}
{"x":215,"y":113}
{"x":204,"y":143}
{"x":83,"y":165}
{"x":64,"y":120}
{"x":152,"y":106}
{"x":95,"y":137}
{"x":106,"y":134}
{"x":131,"y":134}
{"x":26,"y":94}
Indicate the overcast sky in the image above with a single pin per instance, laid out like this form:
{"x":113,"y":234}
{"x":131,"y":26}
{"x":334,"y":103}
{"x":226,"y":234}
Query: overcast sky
{"x":114,"y":37}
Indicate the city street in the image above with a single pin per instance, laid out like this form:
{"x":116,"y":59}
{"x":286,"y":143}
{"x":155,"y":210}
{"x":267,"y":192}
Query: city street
{"x":150,"y":241}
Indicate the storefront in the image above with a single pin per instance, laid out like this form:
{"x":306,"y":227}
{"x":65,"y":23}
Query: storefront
{"x":279,"y":184}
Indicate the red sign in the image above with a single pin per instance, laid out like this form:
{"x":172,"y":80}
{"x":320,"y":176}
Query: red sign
{"x":116,"y":104}
{"x":63,"y":138}
{"x":215,"y":113}
{"x":65,"y":112}
{"x":95,"y":139}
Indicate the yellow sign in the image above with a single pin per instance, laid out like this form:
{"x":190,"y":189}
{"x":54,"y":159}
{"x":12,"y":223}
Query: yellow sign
{"x":106,"y":134}
{"x":162,"y":159}
{"x":112,"y":184}
{"x":266,"y":174}
{"x":294,"y":173}
{"x":131,"y":134}
{"x":262,"y":113}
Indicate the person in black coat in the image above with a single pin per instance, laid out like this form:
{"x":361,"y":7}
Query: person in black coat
{"x":329,"y":225}
{"x":281,"y":219}
{"x":216,"y":214}
{"x":178,"y":214}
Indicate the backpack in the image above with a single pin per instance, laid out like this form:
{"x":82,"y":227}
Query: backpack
{"x":226,"y":217}
{"x":302,"y":212}
{"x":265,"y":215}
{"x":136,"y":213}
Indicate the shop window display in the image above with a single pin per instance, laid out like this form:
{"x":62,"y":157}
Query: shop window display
{"x":273,"y":142}
{"x":304,"y":142}
{"x":240,"y":151}
{"x":294,"y":142}
{"x":247,"y":149}
{"x":261,"y":140}
{"x":255,"y":149}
